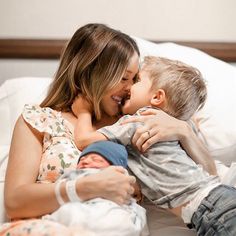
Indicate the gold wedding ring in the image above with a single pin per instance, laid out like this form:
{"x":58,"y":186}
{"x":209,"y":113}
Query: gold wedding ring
{"x":148,"y":133}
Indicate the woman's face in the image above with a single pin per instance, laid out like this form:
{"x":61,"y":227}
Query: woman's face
{"x":111,"y":102}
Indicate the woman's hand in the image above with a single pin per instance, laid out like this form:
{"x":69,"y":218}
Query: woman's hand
{"x":158,"y":126}
{"x":81,"y":105}
{"x":112,"y":183}
{"x":137,"y":193}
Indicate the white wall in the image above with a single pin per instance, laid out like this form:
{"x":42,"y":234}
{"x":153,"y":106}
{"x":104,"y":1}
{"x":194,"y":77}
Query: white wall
{"x":211,"y":20}
{"x":27,"y":68}
{"x":207,"y":20}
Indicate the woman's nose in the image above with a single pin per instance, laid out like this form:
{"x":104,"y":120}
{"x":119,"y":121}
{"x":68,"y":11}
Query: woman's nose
{"x":129,"y":85}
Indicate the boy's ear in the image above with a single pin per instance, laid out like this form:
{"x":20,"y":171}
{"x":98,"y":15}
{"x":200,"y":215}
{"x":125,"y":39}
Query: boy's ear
{"x":158,"y":99}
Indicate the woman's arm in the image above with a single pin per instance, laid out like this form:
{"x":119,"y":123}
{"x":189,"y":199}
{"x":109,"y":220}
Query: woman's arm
{"x":23,"y":197}
{"x":162,"y":127}
{"x":26,"y":198}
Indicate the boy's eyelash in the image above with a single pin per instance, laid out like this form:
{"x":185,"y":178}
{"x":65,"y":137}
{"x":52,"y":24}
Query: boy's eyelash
{"x":136,"y":79}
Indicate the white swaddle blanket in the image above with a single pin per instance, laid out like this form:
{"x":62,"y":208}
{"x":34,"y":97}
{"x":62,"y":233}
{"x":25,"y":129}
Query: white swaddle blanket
{"x":100,"y":216}
{"x":103,"y":217}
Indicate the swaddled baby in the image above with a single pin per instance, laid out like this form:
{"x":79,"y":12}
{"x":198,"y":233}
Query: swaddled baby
{"x":98,"y":215}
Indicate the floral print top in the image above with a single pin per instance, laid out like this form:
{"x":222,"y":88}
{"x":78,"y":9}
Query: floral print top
{"x":59,"y":150}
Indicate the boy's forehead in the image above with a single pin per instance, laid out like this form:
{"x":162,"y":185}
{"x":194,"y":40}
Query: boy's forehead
{"x":142,"y":73}
{"x":145,"y":76}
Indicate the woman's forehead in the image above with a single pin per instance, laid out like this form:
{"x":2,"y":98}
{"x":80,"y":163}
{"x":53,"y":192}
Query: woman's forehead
{"x":133,"y":65}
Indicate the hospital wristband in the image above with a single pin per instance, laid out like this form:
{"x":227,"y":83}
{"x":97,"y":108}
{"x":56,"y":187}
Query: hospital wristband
{"x":58,"y":192}
{"x":71,"y":191}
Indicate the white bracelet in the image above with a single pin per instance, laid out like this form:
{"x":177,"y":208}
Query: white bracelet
{"x":71,"y":191}
{"x":58,"y":192}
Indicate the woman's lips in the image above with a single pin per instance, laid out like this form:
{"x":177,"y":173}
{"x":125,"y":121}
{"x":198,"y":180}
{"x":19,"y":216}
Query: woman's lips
{"x":117,"y":99}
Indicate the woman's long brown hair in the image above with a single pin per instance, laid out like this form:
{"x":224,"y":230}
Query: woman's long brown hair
{"x":93,"y":62}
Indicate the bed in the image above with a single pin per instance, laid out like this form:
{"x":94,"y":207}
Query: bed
{"x":217,"y":126}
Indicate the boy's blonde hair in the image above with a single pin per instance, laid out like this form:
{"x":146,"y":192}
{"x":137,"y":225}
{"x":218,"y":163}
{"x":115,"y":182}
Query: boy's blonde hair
{"x":184,"y":85}
{"x":93,"y":62}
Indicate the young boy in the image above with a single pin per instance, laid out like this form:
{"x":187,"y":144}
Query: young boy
{"x":100,"y":216}
{"x":168,"y":176}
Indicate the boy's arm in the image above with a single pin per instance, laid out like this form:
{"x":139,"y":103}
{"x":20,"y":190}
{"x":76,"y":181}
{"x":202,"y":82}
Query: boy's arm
{"x":84,"y":133}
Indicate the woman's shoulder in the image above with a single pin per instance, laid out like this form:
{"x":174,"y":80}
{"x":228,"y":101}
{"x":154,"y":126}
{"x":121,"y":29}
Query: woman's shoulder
{"x":40,"y":118}
{"x":36,"y":109}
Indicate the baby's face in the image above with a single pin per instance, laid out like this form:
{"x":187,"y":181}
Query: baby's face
{"x":93,"y":160}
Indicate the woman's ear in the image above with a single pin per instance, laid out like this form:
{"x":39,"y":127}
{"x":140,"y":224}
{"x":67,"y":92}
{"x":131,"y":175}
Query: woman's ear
{"x":158,"y":99}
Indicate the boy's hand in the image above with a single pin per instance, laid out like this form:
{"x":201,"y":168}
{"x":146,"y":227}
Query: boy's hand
{"x":81,"y":105}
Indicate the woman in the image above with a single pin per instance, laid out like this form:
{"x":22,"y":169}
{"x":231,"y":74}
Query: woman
{"x":102,"y":64}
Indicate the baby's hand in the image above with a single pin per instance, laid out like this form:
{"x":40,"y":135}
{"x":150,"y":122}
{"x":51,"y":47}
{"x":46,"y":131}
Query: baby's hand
{"x":81,"y":105}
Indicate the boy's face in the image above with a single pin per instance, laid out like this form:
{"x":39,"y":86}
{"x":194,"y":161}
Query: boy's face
{"x":140,"y":94}
{"x":93,"y":160}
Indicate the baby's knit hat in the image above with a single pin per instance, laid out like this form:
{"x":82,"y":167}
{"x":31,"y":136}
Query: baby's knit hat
{"x":115,"y":153}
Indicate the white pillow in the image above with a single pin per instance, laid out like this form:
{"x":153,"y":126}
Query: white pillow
{"x":14,"y":93}
{"x":3,"y":164}
{"x":217,"y":119}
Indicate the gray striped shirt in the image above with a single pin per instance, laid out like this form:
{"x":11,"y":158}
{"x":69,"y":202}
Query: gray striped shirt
{"x":168,"y":176}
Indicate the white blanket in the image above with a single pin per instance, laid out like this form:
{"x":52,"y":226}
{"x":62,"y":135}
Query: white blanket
{"x":103,"y":217}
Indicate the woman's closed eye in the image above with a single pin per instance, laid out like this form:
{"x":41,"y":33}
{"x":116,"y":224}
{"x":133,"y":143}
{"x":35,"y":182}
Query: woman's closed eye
{"x":134,"y":80}
{"x":125,"y":79}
